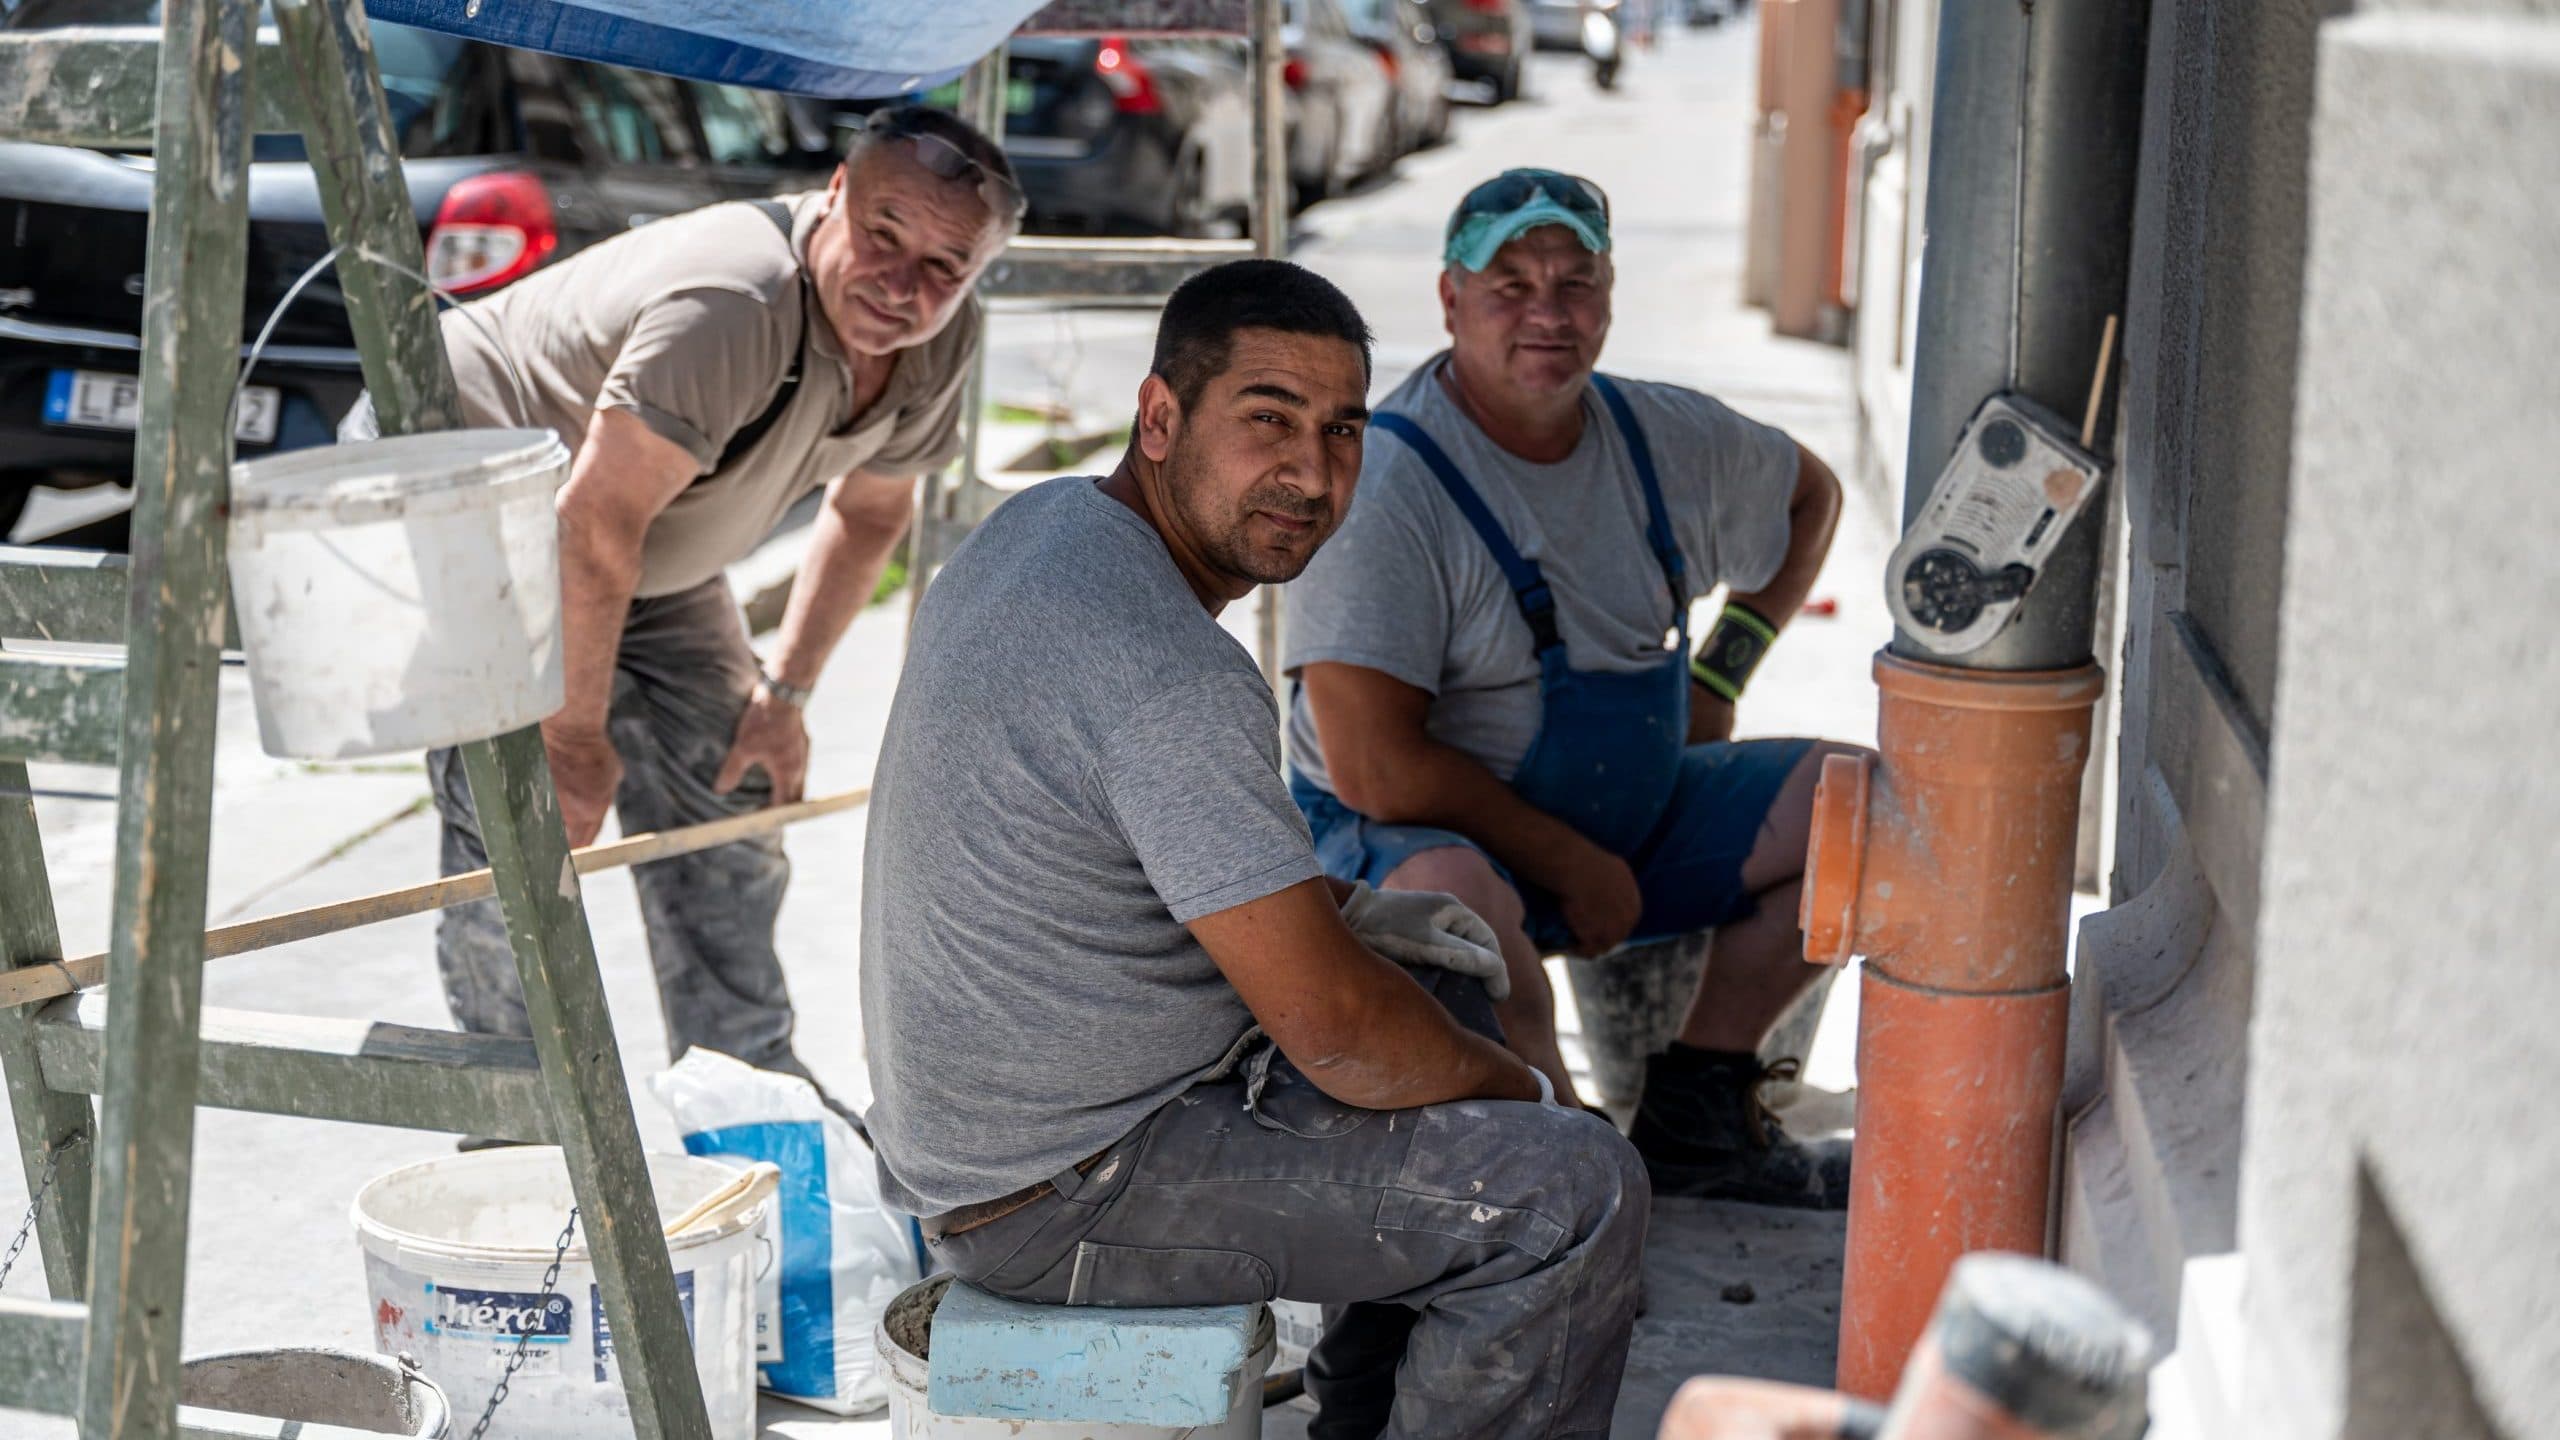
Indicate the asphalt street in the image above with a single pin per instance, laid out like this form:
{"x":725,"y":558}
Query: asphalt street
{"x":274,"y":1258}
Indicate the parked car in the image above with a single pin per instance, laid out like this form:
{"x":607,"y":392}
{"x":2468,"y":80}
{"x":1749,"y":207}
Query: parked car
{"x":1408,"y":42}
{"x":1341,"y":102}
{"x":1488,"y":42}
{"x":514,"y":159}
{"x":1556,"y":24}
{"x":1120,"y":134}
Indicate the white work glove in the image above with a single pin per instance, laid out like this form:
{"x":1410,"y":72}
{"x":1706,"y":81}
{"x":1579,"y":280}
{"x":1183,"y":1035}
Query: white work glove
{"x":1425,"y":927}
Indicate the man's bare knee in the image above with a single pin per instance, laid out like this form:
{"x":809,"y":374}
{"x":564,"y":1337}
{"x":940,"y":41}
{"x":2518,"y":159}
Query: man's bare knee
{"x":1464,"y":872}
{"x":1778,"y":852}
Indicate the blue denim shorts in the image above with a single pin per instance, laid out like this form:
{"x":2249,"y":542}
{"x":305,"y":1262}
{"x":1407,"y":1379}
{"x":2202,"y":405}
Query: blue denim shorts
{"x":1689,"y":868}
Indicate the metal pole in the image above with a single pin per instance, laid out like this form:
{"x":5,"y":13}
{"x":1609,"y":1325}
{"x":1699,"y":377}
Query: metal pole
{"x":1269,"y":52}
{"x":2032,"y":152}
{"x":982,"y":103}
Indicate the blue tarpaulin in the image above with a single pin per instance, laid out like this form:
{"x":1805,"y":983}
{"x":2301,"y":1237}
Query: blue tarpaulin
{"x":836,"y":48}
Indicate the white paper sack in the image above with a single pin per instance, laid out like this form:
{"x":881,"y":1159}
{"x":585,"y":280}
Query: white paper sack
{"x":840,"y":1257}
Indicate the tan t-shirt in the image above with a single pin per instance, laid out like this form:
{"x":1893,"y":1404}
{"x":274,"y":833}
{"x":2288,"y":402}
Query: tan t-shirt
{"x":691,"y":324}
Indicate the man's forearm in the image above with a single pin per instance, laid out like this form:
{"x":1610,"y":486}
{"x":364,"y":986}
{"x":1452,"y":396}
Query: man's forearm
{"x":1440,"y":785}
{"x":1813,"y":515}
{"x":597,"y":577}
{"x":1411,"y":1052}
{"x":837,"y":579}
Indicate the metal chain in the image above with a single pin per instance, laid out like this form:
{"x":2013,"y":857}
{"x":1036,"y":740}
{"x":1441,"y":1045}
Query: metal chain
{"x":35,"y":1202}
{"x":524,"y":1337}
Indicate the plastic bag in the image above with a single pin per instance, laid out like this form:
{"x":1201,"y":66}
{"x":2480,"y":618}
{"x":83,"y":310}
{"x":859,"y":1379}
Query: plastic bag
{"x":843,"y":1256}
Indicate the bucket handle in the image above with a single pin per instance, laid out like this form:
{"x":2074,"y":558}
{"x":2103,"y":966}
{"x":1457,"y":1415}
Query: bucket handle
{"x":293,"y":292}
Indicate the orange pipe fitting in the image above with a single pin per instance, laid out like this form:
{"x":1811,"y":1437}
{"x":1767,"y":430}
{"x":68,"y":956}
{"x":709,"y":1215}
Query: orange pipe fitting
{"x":1947,"y":864}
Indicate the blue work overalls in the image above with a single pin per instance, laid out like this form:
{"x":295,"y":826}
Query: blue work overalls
{"x":1611,"y":757}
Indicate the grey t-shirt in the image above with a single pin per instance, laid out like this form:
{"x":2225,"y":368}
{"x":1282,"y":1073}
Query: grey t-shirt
{"x":1406,"y":587}
{"x":1078,"y":763}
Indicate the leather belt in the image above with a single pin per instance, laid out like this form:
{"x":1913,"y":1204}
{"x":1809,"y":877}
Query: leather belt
{"x":988,"y":1212}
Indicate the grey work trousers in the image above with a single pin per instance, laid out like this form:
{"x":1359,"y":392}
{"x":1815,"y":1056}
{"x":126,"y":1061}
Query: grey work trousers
{"x":1478,"y":1261}
{"x":681,"y":680}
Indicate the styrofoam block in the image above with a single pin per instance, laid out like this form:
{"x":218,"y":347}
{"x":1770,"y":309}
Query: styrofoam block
{"x":1003,"y":1359}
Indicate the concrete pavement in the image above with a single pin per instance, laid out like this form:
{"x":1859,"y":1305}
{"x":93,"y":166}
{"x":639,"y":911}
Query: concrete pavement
{"x":273,"y":1256}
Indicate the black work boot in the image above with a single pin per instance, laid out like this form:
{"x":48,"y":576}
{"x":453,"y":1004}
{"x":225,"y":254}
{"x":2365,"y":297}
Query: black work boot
{"x":1703,"y":1133}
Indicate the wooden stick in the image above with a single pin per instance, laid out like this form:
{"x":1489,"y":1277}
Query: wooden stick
{"x":755,"y":1183}
{"x":2098,"y":385}
{"x":40,"y":980}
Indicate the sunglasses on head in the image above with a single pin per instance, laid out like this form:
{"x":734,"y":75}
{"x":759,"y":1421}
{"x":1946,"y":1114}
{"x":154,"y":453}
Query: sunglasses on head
{"x":1512,"y":189}
{"x":946,"y":161}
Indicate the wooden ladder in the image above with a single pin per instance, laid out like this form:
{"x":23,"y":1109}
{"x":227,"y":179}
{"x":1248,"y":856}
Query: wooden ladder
{"x":113,"y":1222}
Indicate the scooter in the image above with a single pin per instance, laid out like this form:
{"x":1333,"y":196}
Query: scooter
{"x":1604,"y":39}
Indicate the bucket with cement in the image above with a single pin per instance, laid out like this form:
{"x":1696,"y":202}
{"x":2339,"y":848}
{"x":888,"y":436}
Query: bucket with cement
{"x":905,"y":1338}
{"x":454,"y":1253}
{"x":402,"y":594}
{"x":1631,"y":1005}
{"x":372,"y":1393}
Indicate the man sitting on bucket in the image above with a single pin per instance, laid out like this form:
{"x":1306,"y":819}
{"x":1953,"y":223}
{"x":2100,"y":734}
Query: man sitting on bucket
{"x":1497,"y":697}
{"x":1130,"y":1046}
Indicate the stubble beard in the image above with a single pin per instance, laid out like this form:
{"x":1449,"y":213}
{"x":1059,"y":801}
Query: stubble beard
{"x":1223,"y":531}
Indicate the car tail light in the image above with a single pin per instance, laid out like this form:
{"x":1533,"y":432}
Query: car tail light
{"x":1387,"y":62}
{"x":1132,"y":85}
{"x":490,"y":229}
{"x":1489,"y":7}
{"x":1293,"y":73}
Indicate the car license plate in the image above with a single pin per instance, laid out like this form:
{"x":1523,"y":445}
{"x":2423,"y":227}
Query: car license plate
{"x":98,"y":400}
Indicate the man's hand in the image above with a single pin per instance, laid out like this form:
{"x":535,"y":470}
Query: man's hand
{"x":586,"y":772}
{"x":1600,"y":899}
{"x":1423,"y":927}
{"x":771,"y":733}
{"x":1710,"y":716}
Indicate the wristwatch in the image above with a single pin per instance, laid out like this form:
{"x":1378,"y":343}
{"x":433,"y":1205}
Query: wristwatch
{"x":796,"y":696}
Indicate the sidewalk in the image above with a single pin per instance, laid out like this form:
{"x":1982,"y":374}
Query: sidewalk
{"x":274,"y":1261}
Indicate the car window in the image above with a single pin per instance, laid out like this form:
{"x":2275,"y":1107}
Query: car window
{"x":45,"y":14}
{"x":433,"y":93}
{"x":634,"y":117}
{"x":439,"y":103}
{"x":739,"y":127}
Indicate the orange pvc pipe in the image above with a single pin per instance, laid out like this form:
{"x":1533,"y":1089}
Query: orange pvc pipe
{"x":1956,"y":1103}
{"x":1847,"y":109}
{"x":1947,"y":864}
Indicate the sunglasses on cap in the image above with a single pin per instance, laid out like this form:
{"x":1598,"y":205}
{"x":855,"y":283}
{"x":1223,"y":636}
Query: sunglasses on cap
{"x":944,"y":160}
{"x":1512,"y":189}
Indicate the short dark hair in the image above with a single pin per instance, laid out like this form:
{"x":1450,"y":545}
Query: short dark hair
{"x":1197,"y":334}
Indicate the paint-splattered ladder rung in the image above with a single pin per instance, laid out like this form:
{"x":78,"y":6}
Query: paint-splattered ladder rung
{"x":62,"y":709}
{"x":45,"y":1341}
{"x":362,"y":1072}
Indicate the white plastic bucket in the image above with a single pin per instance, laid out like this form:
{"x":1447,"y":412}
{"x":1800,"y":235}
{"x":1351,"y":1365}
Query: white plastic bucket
{"x":454,"y":1251}
{"x":399,"y":594}
{"x":909,"y":1321}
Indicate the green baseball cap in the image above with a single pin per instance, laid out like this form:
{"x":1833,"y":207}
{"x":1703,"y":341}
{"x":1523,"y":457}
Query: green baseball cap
{"x":1517,"y":201}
